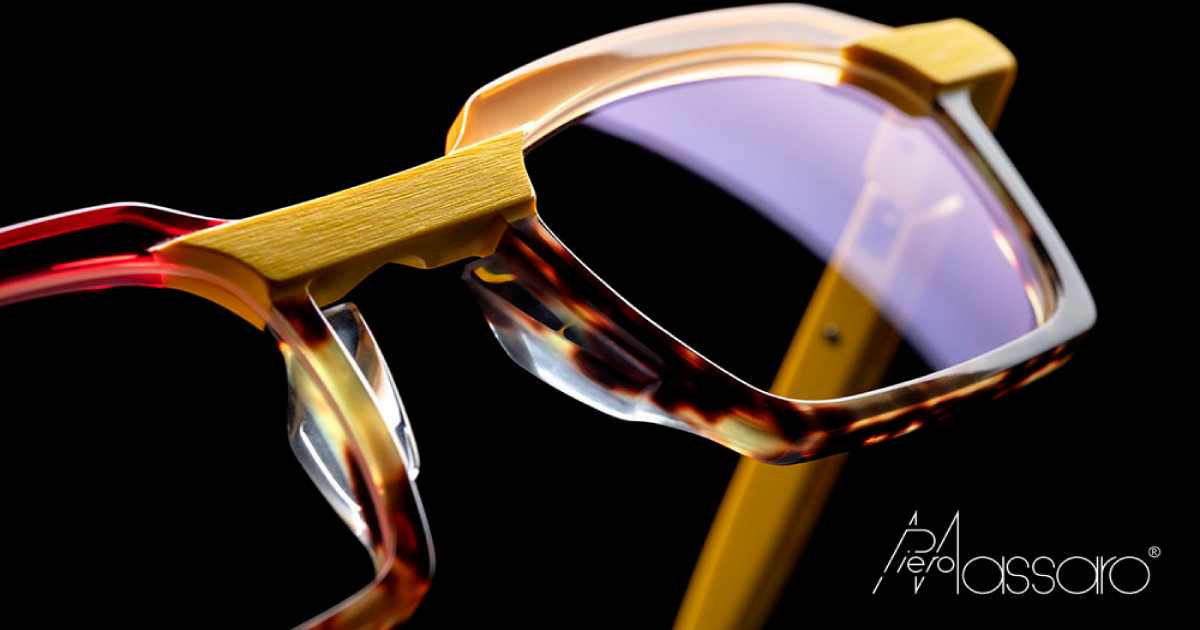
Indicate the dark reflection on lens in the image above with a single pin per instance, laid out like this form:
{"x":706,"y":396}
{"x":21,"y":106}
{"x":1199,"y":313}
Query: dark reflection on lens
{"x":715,"y":208}
{"x":149,"y":476}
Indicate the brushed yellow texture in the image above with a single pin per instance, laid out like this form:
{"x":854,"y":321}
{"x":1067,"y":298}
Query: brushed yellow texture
{"x":769,"y":511}
{"x":946,"y":54}
{"x":376,"y":219}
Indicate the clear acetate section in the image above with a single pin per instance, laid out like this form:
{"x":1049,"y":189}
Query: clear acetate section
{"x":318,"y":440}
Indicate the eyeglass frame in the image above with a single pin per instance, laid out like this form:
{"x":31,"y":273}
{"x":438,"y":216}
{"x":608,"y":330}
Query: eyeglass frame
{"x":461,"y":205}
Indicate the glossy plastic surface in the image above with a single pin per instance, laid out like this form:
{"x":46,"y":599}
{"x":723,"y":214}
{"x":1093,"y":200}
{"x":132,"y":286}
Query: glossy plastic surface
{"x":611,"y":356}
{"x":348,"y":427}
{"x":31,"y":272}
{"x":560,"y":322}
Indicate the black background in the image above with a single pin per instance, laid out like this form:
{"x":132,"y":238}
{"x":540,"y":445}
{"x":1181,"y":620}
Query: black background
{"x":147,"y":474}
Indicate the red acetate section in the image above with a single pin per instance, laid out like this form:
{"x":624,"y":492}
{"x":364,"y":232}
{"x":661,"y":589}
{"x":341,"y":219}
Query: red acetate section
{"x":59,"y":269}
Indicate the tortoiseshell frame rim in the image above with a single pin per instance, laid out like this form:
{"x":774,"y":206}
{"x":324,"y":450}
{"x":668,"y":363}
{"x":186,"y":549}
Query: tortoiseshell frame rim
{"x":548,"y":95}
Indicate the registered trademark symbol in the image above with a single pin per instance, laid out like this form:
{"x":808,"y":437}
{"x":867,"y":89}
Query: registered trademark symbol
{"x":1155,"y":552}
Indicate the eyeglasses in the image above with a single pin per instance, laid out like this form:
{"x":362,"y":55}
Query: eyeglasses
{"x":860,"y":147}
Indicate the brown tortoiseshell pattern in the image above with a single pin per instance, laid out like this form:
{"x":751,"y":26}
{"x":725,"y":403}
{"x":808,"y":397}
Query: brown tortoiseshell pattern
{"x":389,"y":505}
{"x":545,"y":305}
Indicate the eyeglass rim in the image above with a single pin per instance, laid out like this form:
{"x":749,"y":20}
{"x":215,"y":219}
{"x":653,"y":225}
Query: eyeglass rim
{"x":517,"y":102}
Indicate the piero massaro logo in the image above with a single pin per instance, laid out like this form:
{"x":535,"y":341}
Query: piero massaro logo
{"x":925,"y":560}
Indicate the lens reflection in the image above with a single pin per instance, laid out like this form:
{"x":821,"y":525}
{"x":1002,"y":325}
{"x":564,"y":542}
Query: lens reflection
{"x":716,"y":207}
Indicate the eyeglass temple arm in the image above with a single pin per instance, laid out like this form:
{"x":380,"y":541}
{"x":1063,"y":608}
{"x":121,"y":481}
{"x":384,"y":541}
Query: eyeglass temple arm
{"x":769,"y":512}
{"x":37,"y":264}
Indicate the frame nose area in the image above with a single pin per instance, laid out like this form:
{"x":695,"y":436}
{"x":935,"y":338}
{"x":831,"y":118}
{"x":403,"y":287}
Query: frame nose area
{"x":360,"y":344}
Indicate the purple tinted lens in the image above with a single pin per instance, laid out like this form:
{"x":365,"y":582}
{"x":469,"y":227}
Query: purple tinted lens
{"x":826,"y":175}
